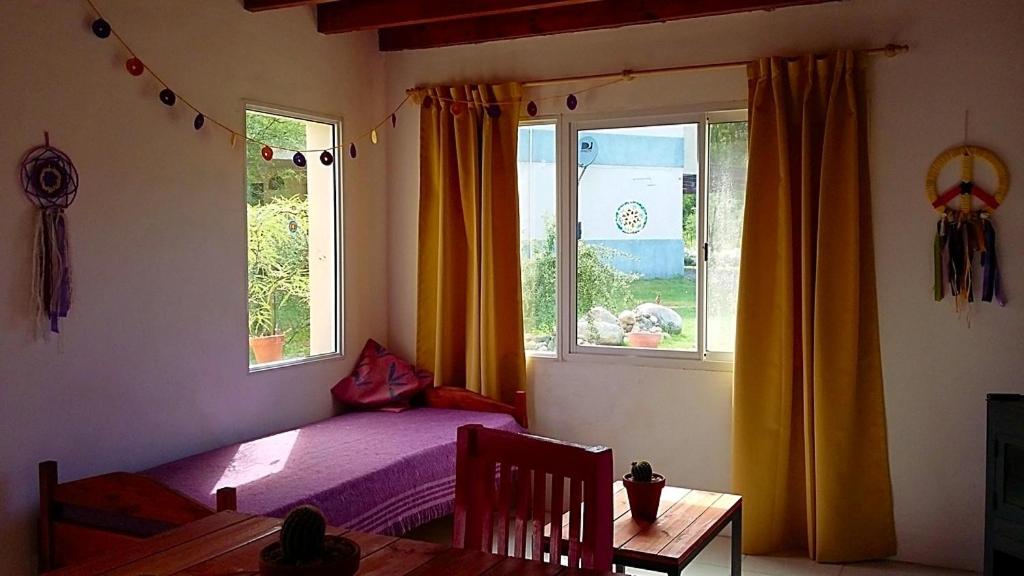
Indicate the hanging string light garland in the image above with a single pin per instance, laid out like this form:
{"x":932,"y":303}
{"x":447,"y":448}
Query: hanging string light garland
{"x":493,"y":108}
{"x":134,"y":65}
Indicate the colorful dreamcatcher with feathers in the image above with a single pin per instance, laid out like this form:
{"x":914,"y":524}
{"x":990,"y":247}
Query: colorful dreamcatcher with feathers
{"x":965,"y":237}
{"x":50,"y":181}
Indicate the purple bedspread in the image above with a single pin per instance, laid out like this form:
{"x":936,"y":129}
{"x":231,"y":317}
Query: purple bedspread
{"x":378,"y":472}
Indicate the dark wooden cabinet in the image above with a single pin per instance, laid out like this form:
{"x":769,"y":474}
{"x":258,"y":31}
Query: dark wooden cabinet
{"x":1004,"y":498}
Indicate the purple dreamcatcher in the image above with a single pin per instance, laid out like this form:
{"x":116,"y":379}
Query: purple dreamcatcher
{"x":51,"y":183}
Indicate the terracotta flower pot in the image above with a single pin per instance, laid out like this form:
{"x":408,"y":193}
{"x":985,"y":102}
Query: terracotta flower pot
{"x":267,"y":348}
{"x":341,"y":558}
{"x":643,"y":339}
{"x":644,"y":497}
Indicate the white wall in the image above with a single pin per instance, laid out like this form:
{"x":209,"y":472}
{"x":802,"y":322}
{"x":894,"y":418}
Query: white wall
{"x":152,"y":364}
{"x":937,"y":369}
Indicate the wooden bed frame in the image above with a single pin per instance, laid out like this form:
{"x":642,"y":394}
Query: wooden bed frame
{"x":462,"y":399}
{"x":83,"y":518}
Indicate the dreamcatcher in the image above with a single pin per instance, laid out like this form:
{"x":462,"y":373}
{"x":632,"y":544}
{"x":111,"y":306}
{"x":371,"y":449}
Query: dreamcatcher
{"x":51,"y":183}
{"x":965,"y":236}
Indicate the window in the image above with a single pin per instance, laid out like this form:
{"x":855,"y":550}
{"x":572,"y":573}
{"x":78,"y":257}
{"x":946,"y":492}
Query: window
{"x":727,"y":187}
{"x":293,"y":211}
{"x":650,"y":235}
{"x":537,"y":234}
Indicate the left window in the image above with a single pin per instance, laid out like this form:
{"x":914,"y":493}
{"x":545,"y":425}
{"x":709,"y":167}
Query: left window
{"x":293,"y":205}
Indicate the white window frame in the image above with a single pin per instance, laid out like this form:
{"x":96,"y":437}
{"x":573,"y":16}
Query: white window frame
{"x":560,"y":145}
{"x":567,"y":129}
{"x":339,"y":231}
{"x":718,"y":117}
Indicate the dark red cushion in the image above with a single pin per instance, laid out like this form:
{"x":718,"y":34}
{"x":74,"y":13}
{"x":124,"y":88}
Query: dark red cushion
{"x":381,"y":380}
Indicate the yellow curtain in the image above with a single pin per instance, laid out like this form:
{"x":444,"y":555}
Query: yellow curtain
{"x":809,"y":436}
{"x":469,"y":329}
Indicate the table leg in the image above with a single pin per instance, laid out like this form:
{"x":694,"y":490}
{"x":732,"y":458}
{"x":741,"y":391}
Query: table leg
{"x":737,"y":542}
{"x":620,"y":569}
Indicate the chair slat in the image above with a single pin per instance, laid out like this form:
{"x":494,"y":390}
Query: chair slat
{"x":586,"y":536}
{"x":575,"y":516}
{"x":557,"y":502}
{"x":523,"y":477}
{"x":540,"y":480}
{"x":486,"y":507}
{"x":504,"y":502}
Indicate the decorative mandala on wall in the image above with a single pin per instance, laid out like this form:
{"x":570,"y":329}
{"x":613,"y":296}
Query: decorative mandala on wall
{"x":631,"y":217}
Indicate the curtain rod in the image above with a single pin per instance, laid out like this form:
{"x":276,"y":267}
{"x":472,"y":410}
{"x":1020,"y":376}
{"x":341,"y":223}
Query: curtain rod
{"x":889,"y":50}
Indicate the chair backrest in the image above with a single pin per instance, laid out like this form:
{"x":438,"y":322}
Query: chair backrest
{"x":83,"y":518}
{"x":504,"y":482}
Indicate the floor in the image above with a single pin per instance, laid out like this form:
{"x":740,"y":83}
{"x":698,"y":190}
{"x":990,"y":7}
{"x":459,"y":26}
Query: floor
{"x":714,"y":561}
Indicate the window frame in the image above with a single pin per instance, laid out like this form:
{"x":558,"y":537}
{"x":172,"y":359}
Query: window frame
{"x":337,"y":124}
{"x":567,"y":128}
{"x":555,"y":120}
{"x":716,"y":117}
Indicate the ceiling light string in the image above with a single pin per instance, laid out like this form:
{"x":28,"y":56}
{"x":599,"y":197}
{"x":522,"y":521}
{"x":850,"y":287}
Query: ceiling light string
{"x":102,"y":28}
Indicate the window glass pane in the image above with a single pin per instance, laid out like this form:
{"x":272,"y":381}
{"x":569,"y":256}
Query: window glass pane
{"x":727,"y":185}
{"x":292,"y":241}
{"x":537,"y":237}
{"x":636,"y":237}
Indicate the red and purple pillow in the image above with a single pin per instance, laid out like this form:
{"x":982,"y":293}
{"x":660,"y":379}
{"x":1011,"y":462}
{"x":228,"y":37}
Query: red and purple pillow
{"x":381,"y":381}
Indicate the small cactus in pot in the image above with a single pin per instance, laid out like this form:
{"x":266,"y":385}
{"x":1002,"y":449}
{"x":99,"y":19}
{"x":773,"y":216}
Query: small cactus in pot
{"x":641,"y":471}
{"x":305,"y":549}
{"x":643,"y":488}
{"x":302,"y":535}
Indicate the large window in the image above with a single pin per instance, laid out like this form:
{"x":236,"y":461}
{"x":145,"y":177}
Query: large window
{"x":293,"y":209}
{"x":650,"y":235}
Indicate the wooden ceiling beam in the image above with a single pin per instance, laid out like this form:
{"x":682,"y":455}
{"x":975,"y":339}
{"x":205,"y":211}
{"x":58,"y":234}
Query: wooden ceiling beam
{"x":352,"y":15}
{"x":261,"y":5}
{"x":605,"y":14}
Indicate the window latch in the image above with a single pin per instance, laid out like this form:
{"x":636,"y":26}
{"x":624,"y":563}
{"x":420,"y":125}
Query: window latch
{"x":707,"y":249}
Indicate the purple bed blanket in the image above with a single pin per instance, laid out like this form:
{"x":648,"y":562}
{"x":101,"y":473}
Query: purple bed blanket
{"x":379,"y":472}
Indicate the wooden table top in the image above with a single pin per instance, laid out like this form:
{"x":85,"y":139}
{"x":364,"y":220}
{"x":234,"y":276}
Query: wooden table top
{"x":687,"y":521}
{"x":228,"y":543}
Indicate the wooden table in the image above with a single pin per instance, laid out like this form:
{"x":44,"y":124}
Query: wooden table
{"x":228,"y":543}
{"x":688,"y":520}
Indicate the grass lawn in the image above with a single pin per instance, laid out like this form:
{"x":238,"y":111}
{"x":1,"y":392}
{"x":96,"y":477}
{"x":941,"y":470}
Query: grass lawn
{"x":680,"y":294}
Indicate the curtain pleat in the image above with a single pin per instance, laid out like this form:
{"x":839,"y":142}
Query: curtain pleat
{"x":810,"y":452}
{"x":469,"y":319}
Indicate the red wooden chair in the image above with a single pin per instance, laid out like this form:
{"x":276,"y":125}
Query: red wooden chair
{"x":501,"y":495}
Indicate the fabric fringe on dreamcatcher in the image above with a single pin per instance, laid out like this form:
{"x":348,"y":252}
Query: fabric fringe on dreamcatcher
{"x":961,"y":240}
{"x":51,"y":278}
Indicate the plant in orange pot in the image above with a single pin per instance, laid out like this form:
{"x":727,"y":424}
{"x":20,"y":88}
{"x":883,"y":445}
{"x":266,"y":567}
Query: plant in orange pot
{"x":278,"y":272}
{"x":644,"y":339}
{"x":304,"y":549}
{"x":643,"y":488}
{"x":646,"y":330}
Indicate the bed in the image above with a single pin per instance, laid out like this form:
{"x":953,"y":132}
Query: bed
{"x":378,"y":472}
{"x":382,"y":472}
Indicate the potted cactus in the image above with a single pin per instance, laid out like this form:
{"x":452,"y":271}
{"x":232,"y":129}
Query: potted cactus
{"x":643,"y":488}
{"x":304,"y":549}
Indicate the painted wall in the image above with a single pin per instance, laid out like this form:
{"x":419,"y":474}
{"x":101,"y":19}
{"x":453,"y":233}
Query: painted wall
{"x":152,"y":364}
{"x":937,"y":368}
